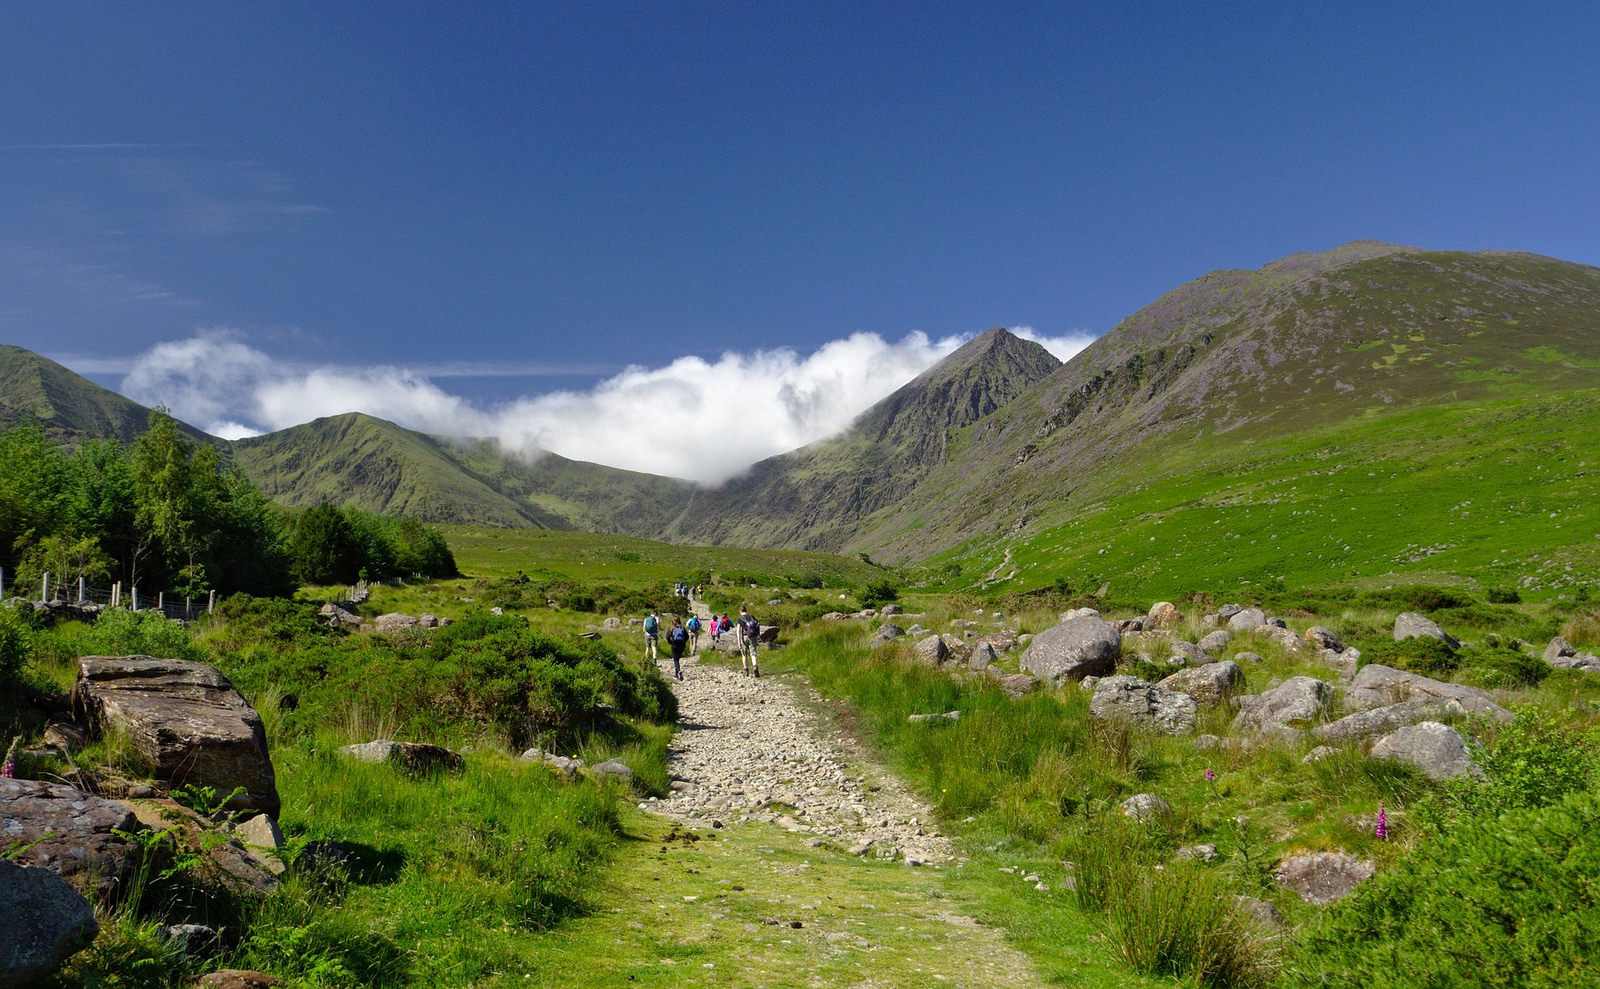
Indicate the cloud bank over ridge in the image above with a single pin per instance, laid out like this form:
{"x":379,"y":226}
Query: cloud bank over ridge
{"x":705,"y":420}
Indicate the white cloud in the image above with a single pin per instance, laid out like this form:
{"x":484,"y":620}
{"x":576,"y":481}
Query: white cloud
{"x":1062,"y":348}
{"x":705,"y":420}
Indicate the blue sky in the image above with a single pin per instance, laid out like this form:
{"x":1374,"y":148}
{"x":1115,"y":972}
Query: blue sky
{"x":496,"y":201}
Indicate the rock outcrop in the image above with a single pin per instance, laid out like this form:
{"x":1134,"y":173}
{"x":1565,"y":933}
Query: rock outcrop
{"x":1432,"y":747}
{"x":71,"y":833}
{"x":417,"y":757}
{"x":186,"y":719}
{"x":1073,"y":649}
{"x":1324,"y":877}
{"x":1130,"y":699}
{"x":1411,"y":625}
{"x":1377,"y":686}
{"x":1297,"y":700}
{"x":43,"y":922}
{"x":1212,"y":683}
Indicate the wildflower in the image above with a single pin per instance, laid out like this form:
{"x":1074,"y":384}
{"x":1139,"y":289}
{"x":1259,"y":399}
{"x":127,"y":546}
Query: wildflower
{"x":1381,"y":832}
{"x":1210,"y":775}
{"x":9,"y":769}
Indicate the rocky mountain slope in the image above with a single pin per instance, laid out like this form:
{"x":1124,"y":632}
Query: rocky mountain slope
{"x":71,"y":408}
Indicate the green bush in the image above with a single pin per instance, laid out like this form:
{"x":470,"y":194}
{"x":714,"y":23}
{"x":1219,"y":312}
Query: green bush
{"x":1532,"y":762}
{"x":1500,"y":667}
{"x":1501,"y":595}
{"x":16,"y":642}
{"x":878,"y":593}
{"x":1512,"y":899}
{"x":1422,"y":654}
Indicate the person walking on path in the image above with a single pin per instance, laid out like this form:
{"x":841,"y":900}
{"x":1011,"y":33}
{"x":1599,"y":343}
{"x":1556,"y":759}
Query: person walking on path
{"x":694,"y":635}
{"x":652,"y":633}
{"x":677,"y":638}
{"x":749,"y":631}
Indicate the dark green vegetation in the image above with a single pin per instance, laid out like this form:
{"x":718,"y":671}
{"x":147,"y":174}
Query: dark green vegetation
{"x":168,"y":514}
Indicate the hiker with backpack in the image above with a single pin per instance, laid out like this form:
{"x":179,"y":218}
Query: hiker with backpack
{"x":694,"y":635}
{"x":677,"y":638}
{"x":749,"y":631}
{"x":652,"y":632}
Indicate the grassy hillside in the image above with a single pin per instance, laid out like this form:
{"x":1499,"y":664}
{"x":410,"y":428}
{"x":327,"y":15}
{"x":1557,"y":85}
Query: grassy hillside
{"x":70,"y":407}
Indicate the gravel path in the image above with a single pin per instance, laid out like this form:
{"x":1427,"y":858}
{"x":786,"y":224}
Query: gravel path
{"x":748,"y":749}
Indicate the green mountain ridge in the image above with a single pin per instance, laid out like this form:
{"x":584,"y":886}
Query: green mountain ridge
{"x":71,"y":408}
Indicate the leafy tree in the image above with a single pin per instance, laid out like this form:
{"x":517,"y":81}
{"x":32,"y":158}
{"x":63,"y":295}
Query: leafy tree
{"x":33,"y":483}
{"x":326,"y":550}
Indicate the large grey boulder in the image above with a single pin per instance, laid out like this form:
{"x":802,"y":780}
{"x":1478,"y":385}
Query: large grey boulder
{"x":1246,"y":619}
{"x":1432,"y":747}
{"x":931,"y":650}
{"x":1128,"y":698}
{"x":1377,"y":686}
{"x":1072,"y":650}
{"x":414,"y":756}
{"x":1208,"y":684}
{"x":43,"y":922}
{"x":1214,"y":642}
{"x":186,"y":719}
{"x":1186,"y":653}
{"x":394,"y":621}
{"x":1376,"y":721}
{"x":69,"y":832}
{"x":888,"y":632}
{"x":1297,"y":699}
{"x":1561,"y":655}
{"x":1323,"y":877}
{"x":1558,"y":648}
{"x":1410,"y":625}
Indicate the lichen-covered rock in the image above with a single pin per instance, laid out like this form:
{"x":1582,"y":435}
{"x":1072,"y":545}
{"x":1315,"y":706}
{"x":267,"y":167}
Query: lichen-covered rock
{"x":1323,"y":638}
{"x":1376,"y":721}
{"x":1211,"y":683}
{"x":1144,"y":806}
{"x":1131,"y":699}
{"x":1324,"y":877}
{"x":1245,"y":619}
{"x":1296,"y":700}
{"x":69,"y":832}
{"x":186,"y":719}
{"x":1432,"y":747}
{"x":414,"y":756}
{"x":1214,"y":642}
{"x":1377,"y":686}
{"x":1072,"y":650}
{"x":394,"y":621}
{"x":1163,"y":614}
{"x":43,"y":922}
{"x":931,"y":650}
{"x":1411,"y":625}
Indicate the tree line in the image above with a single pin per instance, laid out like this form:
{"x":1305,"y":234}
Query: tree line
{"x":170,"y":514}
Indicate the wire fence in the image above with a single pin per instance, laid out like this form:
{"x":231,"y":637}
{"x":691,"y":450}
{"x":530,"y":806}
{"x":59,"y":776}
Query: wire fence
{"x":184,"y":607}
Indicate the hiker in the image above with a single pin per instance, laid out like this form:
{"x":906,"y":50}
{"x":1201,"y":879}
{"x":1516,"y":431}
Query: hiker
{"x":749,"y":634}
{"x":652,"y":632}
{"x":694,"y":635}
{"x":677,"y":638}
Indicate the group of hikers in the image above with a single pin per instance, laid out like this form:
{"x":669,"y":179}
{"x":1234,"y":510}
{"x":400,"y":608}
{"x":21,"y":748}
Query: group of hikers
{"x":686,"y":635}
{"x":687,"y":591}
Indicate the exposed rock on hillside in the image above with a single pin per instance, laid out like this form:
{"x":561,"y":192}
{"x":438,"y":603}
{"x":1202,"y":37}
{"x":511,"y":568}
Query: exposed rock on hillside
{"x":186,"y":718}
{"x":1073,"y":649}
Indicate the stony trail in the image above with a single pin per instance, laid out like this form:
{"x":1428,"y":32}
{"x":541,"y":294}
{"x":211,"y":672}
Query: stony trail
{"x":748,"y":749}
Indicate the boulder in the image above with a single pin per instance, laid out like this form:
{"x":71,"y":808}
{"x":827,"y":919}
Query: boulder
{"x":1322,"y":638}
{"x":1324,"y":877}
{"x":611,"y":624}
{"x":886,"y":611}
{"x":1144,"y":806}
{"x":261,"y":838}
{"x":1247,"y":657}
{"x":70,"y":833}
{"x":1131,"y":699}
{"x":981,"y":656}
{"x":1318,"y":754}
{"x":1227,"y":611}
{"x":1163,"y":614}
{"x":1127,"y":625}
{"x":888,"y":632}
{"x":1410,"y":625}
{"x":1187,"y":653}
{"x":1346,"y":662}
{"x":1245,"y":619}
{"x":1014,"y":684}
{"x":560,"y":763}
{"x":394,"y":621}
{"x":1432,"y":747}
{"x":1382,"y":720}
{"x":931,"y":718}
{"x":417,"y":757}
{"x":65,"y":736}
{"x":1211,"y":683}
{"x":186,"y":719}
{"x":225,"y":862}
{"x":1002,"y":641}
{"x":1080,"y":613}
{"x":1558,"y":648}
{"x":931,"y":650}
{"x":1586,"y":661}
{"x":338,"y":617}
{"x":1377,"y":686}
{"x":1072,"y":650}
{"x":43,"y":922}
{"x":1298,"y":699}
{"x":1214,"y":642}
{"x":615,"y":770}
{"x":1287,"y":640}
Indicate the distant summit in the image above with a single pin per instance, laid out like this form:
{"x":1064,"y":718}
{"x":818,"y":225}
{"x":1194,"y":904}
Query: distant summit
{"x":70,"y":407}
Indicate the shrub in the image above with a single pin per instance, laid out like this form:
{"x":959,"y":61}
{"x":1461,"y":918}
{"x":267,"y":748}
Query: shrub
{"x":1424,"y":655}
{"x":1495,"y":668}
{"x":16,"y":642}
{"x":1502,"y":595}
{"x":1534,"y":761}
{"x":878,"y":593}
{"x":1512,"y":899}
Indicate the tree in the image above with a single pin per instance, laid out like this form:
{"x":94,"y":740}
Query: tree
{"x":325,"y":547}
